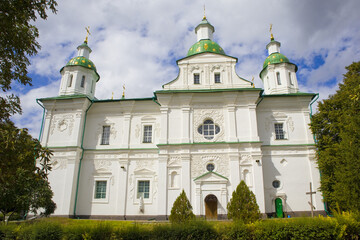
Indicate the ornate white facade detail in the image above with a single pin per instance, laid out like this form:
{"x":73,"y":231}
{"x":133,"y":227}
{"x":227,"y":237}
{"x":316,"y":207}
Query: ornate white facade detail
{"x":58,"y":163}
{"x":62,"y":123}
{"x":198,"y":165}
{"x":103,"y":165}
{"x":216,"y":115}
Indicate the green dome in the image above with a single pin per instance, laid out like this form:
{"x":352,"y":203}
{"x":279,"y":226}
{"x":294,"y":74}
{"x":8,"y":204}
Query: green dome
{"x":275,"y":58}
{"x":205,"y":46}
{"x":81,"y":61}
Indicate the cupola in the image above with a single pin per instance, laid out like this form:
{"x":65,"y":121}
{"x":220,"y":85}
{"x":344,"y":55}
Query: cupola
{"x":79,"y":75}
{"x":204,"y":32}
{"x":278,"y":73}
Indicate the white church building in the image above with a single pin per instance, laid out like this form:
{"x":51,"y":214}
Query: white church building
{"x":203,"y":133}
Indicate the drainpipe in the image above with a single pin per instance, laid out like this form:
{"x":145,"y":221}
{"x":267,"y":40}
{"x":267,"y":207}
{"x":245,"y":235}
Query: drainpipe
{"x":81,"y":158}
{"x":312,"y":102}
{"x":42,"y":121}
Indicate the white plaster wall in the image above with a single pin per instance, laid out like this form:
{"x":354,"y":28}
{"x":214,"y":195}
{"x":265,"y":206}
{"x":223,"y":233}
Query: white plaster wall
{"x":292,"y":169}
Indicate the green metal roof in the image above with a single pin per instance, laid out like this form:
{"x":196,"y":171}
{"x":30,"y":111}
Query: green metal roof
{"x":205,"y":45}
{"x":275,"y":58}
{"x":81,"y":61}
{"x":211,"y":173}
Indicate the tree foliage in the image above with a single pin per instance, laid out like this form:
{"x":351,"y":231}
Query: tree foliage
{"x":181,"y":211}
{"x":336,"y":126}
{"x":242,"y":205}
{"x":23,"y":185}
{"x":17,"y":43}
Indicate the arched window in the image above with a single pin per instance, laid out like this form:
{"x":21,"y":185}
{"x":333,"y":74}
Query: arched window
{"x":70,"y":80}
{"x":82,"y":84}
{"x":208,"y":129}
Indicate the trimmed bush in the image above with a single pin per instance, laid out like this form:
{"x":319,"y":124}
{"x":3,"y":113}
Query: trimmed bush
{"x":181,"y":211}
{"x":197,"y":229}
{"x":243,"y":206}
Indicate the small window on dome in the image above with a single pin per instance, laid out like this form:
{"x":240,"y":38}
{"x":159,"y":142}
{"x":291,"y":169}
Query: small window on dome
{"x":290,"y":79}
{"x":82,"y":84}
{"x":278,"y":78}
{"x":70,"y":80}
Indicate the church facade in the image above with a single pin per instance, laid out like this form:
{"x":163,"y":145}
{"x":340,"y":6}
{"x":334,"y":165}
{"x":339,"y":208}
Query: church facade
{"x":203,"y":133}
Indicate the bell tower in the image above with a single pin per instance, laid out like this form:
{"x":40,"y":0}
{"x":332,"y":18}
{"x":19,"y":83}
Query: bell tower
{"x":79,"y":75}
{"x":278,"y":73}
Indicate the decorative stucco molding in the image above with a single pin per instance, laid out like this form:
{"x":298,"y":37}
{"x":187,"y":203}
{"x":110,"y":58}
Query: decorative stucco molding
{"x":62,"y":123}
{"x":216,"y":115}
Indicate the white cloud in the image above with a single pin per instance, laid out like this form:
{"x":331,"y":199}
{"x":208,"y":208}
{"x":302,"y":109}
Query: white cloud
{"x":136,"y":42}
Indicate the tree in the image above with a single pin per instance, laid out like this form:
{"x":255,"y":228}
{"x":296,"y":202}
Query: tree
{"x":17,"y":43}
{"x":23,"y":185}
{"x":336,"y":126}
{"x":242,"y":205}
{"x":181,"y":211}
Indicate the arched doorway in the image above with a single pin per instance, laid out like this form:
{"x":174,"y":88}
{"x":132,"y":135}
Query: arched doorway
{"x":211,"y":203}
{"x":279,"y":208}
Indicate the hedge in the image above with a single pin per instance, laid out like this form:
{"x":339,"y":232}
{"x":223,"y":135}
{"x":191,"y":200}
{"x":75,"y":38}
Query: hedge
{"x":344,"y":226}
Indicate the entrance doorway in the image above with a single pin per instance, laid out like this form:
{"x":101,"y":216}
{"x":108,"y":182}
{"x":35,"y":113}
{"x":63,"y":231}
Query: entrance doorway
{"x":279,"y":208}
{"x":211,"y":203}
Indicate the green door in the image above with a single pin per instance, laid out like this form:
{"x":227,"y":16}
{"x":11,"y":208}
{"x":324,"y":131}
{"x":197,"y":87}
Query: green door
{"x":279,"y":208}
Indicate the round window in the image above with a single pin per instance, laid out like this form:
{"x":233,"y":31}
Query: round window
{"x":276,"y":183}
{"x":210,"y":167}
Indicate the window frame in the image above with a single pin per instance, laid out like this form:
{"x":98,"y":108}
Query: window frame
{"x":82,"y":83}
{"x":283,"y":132}
{"x":70,"y":80}
{"x":105,"y":139}
{"x":138,"y":188}
{"x":291,"y":79}
{"x":278,"y":79}
{"x":107,"y":193}
{"x":144,"y":133}
{"x":215,"y":77}
{"x":209,"y":128}
{"x":196,"y":81}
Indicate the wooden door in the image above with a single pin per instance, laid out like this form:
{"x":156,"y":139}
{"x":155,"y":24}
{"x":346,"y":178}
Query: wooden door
{"x":211,"y":203}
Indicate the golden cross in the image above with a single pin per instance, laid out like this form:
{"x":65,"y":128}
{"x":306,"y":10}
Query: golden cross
{"x":87,"y":34}
{"x":272,"y":36}
{"x":123,"y":95}
{"x":204,"y":12}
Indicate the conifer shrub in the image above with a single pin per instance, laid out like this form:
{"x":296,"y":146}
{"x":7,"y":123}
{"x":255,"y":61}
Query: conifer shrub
{"x":181,"y":211}
{"x":243,"y":206}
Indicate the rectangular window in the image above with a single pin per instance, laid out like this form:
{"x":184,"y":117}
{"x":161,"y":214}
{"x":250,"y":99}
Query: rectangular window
{"x":105,"y":135}
{"x":100,"y":189}
{"x":143,"y":189}
{"x":82,"y":84}
{"x":290,"y":79}
{"x":147,"y":134}
{"x":196,"y":78}
{"x":70,"y":80}
{"x":217,"y":77}
{"x":279,"y":131}
{"x":278,"y":78}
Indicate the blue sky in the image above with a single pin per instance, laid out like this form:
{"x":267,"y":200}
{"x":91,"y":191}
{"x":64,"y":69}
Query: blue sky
{"x":137,"y":43}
